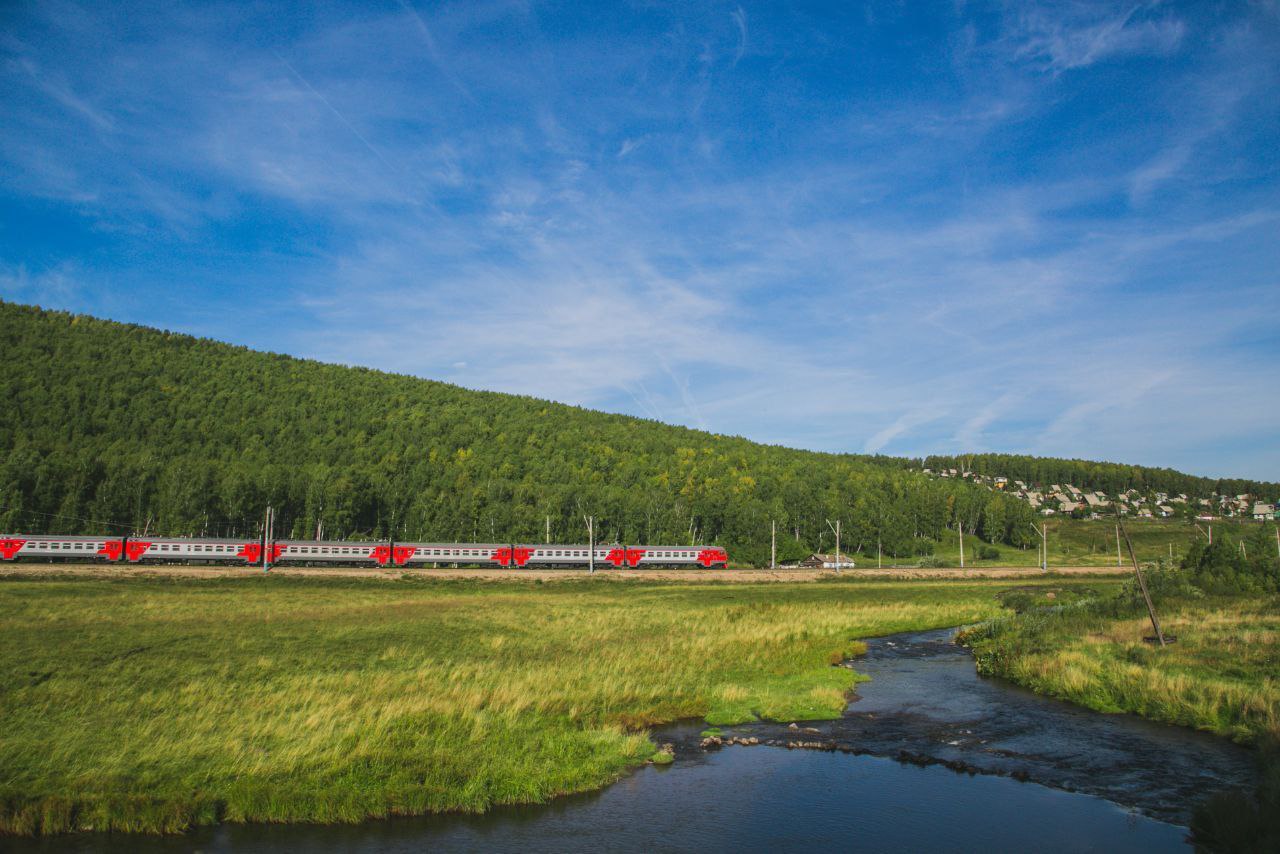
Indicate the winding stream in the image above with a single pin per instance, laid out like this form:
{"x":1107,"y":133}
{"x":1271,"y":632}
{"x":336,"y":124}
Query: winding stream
{"x":928,"y":756}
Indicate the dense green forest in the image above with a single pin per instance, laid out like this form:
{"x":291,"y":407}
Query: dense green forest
{"x":1112,"y":478}
{"x":108,"y":427}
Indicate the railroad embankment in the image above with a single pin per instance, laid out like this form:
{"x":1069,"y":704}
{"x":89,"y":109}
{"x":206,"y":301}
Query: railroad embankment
{"x":699,"y":576}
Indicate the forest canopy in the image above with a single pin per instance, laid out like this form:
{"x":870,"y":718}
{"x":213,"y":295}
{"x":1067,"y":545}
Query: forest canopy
{"x":109,"y":427}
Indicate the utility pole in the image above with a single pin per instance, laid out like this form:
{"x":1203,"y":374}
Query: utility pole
{"x":879,"y":555}
{"x":1043,"y":531}
{"x":836,"y":529}
{"x":548,"y":529}
{"x":591,"y":544}
{"x":773,"y":544}
{"x":1117,"y":544}
{"x":960,"y":527}
{"x":1142,"y":584}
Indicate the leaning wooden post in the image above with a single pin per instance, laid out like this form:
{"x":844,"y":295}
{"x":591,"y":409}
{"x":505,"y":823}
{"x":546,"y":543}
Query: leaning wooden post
{"x":1142,"y":585}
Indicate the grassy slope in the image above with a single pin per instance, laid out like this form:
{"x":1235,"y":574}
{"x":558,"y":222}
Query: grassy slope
{"x":155,"y":704}
{"x":1222,"y":675}
{"x":1084,"y":542}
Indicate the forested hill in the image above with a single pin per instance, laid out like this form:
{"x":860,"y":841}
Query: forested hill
{"x":106,"y":427}
{"x":1113,"y":478}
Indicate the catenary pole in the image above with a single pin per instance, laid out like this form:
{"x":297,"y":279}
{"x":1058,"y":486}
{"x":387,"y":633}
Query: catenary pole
{"x":266,"y":538}
{"x":773,"y":544}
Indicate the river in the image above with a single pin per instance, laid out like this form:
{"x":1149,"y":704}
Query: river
{"x":928,"y":756}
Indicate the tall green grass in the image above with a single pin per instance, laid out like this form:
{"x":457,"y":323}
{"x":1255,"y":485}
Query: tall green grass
{"x":1222,"y":674}
{"x":158,"y":704}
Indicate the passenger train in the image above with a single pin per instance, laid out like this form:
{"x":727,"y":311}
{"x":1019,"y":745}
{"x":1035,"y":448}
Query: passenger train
{"x":264,"y":553}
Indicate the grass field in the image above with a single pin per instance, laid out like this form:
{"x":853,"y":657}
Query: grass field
{"x":1222,"y":674}
{"x":1085,"y":542}
{"x":154,"y":704}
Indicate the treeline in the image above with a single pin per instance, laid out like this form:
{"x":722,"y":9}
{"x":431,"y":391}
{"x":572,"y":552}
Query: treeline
{"x":107,"y":427}
{"x":1109,"y":477}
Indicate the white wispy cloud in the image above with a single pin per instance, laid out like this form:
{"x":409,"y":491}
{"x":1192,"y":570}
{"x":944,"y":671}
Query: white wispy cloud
{"x":1064,"y":36}
{"x":792,"y":251}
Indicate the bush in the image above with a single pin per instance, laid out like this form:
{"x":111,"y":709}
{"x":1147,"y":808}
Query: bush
{"x":1224,"y":569}
{"x":932,"y":562}
{"x":988,"y":553}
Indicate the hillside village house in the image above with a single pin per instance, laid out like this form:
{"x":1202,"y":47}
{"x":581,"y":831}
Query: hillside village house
{"x":1068,"y":498}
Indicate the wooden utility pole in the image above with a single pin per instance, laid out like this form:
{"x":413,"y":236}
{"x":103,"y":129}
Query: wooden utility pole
{"x":591,"y":544}
{"x":879,"y":555}
{"x":1118,"y":561}
{"x":773,"y":544}
{"x":1142,"y":585}
{"x":548,"y":529}
{"x":836,"y":529}
{"x":960,"y":528}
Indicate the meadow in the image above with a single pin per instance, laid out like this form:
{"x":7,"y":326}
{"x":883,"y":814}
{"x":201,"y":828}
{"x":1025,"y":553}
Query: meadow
{"x":155,"y":704}
{"x":1084,"y":542}
{"x":1222,"y":674}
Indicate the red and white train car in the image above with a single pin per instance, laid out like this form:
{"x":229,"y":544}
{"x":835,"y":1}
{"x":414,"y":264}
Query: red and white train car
{"x":342,"y":552}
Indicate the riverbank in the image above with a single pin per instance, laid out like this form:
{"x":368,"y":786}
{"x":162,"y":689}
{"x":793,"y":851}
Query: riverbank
{"x":159,"y":703}
{"x":1222,"y":675}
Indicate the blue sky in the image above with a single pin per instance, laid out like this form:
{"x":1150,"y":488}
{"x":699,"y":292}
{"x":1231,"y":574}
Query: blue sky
{"x":886,"y":227}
